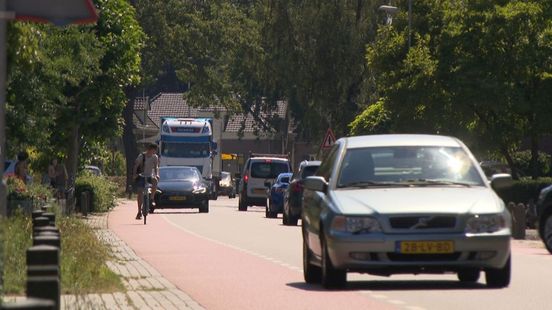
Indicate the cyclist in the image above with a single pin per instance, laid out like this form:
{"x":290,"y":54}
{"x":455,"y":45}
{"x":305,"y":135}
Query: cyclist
{"x":147,"y":163}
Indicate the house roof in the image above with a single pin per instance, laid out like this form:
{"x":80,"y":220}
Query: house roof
{"x":174,"y":105}
{"x":259,"y":124}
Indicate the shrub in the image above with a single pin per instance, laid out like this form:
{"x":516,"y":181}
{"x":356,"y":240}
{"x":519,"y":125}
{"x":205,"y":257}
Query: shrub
{"x":102,"y":190}
{"x":120,"y":182}
{"x":522,"y":162}
{"x":17,"y":190}
{"x":374,"y":120}
{"x":17,"y":238}
{"x":524,"y":190}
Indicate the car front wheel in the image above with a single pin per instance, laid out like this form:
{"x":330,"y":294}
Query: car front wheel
{"x":204,"y":208}
{"x":499,"y":278}
{"x":547,"y":231}
{"x":332,"y":278}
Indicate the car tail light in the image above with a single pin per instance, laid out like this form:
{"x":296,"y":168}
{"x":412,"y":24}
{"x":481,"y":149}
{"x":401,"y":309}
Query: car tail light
{"x":245,"y":178}
{"x":297,"y":187}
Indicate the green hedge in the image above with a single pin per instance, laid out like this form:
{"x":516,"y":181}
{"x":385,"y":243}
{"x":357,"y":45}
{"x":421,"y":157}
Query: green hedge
{"x":102,"y":190}
{"x":524,"y":190}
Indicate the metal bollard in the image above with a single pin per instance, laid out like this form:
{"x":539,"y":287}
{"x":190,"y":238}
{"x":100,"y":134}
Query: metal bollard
{"x":30,"y":304}
{"x":46,"y":208}
{"x":45,"y":270}
{"x":40,"y":221}
{"x":48,"y":240}
{"x":519,"y":222}
{"x":45,"y":287}
{"x":84,"y":203}
{"x":51,"y":217}
{"x":41,"y":255}
{"x":36,"y":213}
{"x":39,"y":230}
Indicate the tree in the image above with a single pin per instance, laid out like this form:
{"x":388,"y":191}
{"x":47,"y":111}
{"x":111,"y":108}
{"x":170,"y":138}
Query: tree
{"x":81,"y":73}
{"x":478,"y":69}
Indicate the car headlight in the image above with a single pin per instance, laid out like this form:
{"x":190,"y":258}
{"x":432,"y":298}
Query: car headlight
{"x":199,"y":190}
{"x":355,"y":224}
{"x":485,"y":223}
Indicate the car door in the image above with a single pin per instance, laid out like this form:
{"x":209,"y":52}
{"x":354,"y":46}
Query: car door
{"x":315,"y":202}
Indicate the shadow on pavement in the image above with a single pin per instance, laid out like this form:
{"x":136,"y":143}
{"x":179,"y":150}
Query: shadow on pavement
{"x":399,"y":285}
{"x":187,"y":211}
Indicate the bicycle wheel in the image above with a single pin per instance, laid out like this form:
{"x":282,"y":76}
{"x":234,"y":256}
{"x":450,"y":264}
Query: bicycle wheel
{"x":145,"y":206}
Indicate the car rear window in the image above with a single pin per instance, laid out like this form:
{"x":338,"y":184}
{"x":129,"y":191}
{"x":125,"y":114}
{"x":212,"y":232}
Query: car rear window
{"x":268,"y":170}
{"x":308,"y":171}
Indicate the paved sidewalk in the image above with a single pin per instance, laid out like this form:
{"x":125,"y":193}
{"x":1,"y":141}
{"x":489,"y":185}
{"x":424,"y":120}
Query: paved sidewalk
{"x":146,"y":288}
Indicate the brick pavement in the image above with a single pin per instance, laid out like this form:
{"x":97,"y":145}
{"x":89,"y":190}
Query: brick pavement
{"x":145,"y":287}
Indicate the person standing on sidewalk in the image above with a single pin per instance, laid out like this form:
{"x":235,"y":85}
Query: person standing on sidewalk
{"x":61,"y":180}
{"x":146,"y":164}
{"x":22,"y":167}
{"x":52,"y":173}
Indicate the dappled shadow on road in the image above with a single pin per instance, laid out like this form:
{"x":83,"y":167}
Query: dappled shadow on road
{"x":399,"y":285}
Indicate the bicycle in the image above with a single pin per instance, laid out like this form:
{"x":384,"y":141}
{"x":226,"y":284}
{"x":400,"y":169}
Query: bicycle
{"x":146,"y":203}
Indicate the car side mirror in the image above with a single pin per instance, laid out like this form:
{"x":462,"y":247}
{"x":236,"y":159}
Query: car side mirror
{"x":317,"y":184}
{"x":501,"y":181}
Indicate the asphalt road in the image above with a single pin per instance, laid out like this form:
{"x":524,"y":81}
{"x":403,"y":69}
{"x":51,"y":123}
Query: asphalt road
{"x":240,"y":260}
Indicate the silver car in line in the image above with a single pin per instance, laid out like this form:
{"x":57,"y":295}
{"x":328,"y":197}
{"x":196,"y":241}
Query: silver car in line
{"x":389,"y":204}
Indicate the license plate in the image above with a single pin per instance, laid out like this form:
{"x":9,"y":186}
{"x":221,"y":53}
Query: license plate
{"x":177,"y":198}
{"x":425,"y":247}
{"x":259,"y":191}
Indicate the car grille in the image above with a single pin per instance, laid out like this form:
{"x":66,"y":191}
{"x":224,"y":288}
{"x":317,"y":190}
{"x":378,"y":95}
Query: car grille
{"x":397,"y":257}
{"x":422,"y":222}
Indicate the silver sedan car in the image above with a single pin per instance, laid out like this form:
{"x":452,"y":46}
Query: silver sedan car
{"x":389,"y":204}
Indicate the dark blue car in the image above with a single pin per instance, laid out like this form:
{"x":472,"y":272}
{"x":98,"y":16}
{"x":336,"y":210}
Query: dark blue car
{"x":276,"y":197}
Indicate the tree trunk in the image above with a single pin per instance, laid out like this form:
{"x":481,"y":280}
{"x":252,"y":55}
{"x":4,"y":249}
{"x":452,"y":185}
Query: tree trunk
{"x":535,"y":173}
{"x":129,"y":140}
{"x":510,"y":162}
{"x":72,"y":162}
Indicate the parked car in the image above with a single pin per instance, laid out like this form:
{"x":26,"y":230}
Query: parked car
{"x":181,"y":187}
{"x":293,"y":197}
{"x":258,"y":170}
{"x":389,"y":204}
{"x":227,"y":185}
{"x":276,"y":196}
{"x":544,"y":213}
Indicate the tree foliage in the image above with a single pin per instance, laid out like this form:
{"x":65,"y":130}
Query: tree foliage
{"x":477,"y":69}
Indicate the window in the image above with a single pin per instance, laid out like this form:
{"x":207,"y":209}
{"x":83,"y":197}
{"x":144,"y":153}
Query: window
{"x":178,"y":149}
{"x":167,"y":174}
{"x":284,"y":180}
{"x":414,"y":165}
{"x":326,"y":167}
{"x":268,"y":170}
{"x":308,"y":171}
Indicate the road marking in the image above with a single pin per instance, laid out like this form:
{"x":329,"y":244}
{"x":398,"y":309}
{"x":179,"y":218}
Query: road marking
{"x":273,"y":260}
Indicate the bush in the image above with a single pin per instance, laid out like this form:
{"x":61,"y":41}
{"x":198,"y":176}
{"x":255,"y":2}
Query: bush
{"x":374,"y":120}
{"x":102,"y":190}
{"x":120,"y":182}
{"x":524,"y":190}
{"x":522,"y":162}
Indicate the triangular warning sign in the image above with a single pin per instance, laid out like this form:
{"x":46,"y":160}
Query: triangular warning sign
{"x":329,"y":139}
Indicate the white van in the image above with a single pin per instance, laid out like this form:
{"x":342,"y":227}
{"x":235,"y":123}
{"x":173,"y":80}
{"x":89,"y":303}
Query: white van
{"x":260,"y":169}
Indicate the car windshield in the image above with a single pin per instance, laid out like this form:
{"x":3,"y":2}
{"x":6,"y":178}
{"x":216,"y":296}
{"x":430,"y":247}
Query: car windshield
{"x":174,"y":174}
{"x":309,"y":171}
{"x":408,"y":166}
{"x":268,"y":169}
{"x":177,"y":149}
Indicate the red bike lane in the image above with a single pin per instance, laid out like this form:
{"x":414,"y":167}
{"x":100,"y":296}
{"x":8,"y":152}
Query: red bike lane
{"x":222,"y":277}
